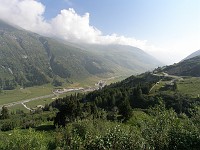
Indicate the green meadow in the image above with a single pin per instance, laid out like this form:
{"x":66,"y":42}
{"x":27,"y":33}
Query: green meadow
{"x":189,"y":86}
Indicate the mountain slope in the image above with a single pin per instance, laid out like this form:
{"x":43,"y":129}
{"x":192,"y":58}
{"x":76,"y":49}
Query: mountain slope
{"x":126,"y":56}
{"x":29,"y":59}
{"x":196,"y":53}
{"x":188,"y":67}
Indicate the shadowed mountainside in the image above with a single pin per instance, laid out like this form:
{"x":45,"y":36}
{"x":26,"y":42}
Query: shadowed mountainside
{"x":29,"y":59}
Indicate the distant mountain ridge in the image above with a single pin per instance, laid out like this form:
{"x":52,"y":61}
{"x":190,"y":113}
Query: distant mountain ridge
{"x":188,"y":67}
{"x":28,"y":59}
{"x":194,"y":54}
{"x":123,"y":55}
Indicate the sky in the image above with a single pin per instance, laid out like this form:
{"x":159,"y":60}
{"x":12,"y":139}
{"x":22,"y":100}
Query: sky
{"x":167,"y":29}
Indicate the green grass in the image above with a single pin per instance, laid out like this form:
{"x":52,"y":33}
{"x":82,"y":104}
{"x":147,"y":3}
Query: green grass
{"x":116,"y":79}
{"x":91,"y":81}
{"x":190,"y":86}
{"x":157,"y":87}
{"x":23,"y":94}
{"x":32,"y":92}
{"x":18,"y":107}
{"x":33,"y":104}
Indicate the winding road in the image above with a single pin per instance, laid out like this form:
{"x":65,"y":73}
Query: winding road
{"x":27,"y":100}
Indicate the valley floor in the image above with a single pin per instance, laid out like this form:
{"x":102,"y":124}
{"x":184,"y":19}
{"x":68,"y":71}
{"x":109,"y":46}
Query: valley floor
{"x":29,"y":98}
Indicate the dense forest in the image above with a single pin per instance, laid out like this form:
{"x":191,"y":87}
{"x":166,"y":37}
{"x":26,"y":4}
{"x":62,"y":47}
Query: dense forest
{"x":123,"y":115}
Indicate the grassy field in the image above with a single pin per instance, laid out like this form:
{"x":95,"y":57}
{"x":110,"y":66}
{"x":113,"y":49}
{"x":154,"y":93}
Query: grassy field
{"x":35,"y":103}
{"x":32,"y":92}
{"x":23,"y":94}
{"x":92,"y":80}
{"x":10,"y":96}
{"x":157,"y":87}
{"x":18,"y":107}
{"x":190,"y":86}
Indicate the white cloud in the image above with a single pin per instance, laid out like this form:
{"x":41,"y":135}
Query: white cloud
{"x":71,"y":26}
{"x":27,"y":14}
{"x":68,"y":25}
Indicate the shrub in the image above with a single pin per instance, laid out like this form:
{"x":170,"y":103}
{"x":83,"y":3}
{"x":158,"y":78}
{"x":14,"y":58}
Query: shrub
{"x":119,"y":137}
{"x":21,"y":140}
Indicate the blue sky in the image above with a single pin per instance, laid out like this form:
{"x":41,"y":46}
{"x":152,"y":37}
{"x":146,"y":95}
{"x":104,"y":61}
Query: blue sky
{"x":163,"y":23}
{"x":141,"y":18}
{"x":166,"y":29}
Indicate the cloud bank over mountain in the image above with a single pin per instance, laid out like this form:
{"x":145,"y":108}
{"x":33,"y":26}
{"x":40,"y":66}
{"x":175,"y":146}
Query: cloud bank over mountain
{"x":67,"y":25}
{"x":27,"y":14}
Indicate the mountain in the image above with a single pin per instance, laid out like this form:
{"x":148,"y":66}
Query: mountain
{"x":196,"y":53}
{"x":29,"y":59}
{"x":188,"y":67}
{"x":128,"y":57}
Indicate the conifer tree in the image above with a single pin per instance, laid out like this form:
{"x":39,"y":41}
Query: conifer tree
{"x":4,"y":113}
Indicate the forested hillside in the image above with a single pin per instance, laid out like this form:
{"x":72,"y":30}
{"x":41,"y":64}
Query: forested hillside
{"x":188,"y":67}
{"x":126,"y":115}
{"x":28,"y":59}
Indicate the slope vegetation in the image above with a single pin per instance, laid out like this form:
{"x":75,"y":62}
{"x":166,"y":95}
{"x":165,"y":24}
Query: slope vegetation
{"x":28,"y":59}
{"x":189,"y":67}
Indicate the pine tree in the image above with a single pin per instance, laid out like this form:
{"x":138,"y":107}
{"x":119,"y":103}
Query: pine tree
{"x":175,"y":87}
{"x":125,"y":109}
{"x":94,"y":110}
{"x":4,"y":113}
{"x":113,"y":101}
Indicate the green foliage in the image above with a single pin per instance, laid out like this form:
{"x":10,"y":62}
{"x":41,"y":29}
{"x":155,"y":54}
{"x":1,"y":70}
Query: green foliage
{"x":4,"y":113}
{"x":125,"y":109}
{"x":69,"y":109}
{"x":119,"y":137}
{"x":184,"y":137}
{"x":23,"y":140}
{"x":161,"y":121}
{"x":34,"y":76}
{"x":156,"y":128}
{"x":156,"y":131}
{"x":196,"y":116}
{"x":125,"y":95}
{"x":98,"y":134}
{"x":189,"y":67}
{"x":163,"y":129}
{"x":179,"y":102}
{"x":58,"y":68}
{"x":56,"y":82}
{"x":7,"y":84}
{"x":30,"y":59}
{"x":8,"y":125}
{"x":25,"y":121}
{"x":189,"y":86}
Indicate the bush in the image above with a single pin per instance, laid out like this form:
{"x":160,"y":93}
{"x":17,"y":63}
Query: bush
{"x":98,"y":134}
{"x":184,"y":135}
{"x":21,"y":140}
{"x":117,"y":138}
{"x":7,"y":125}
